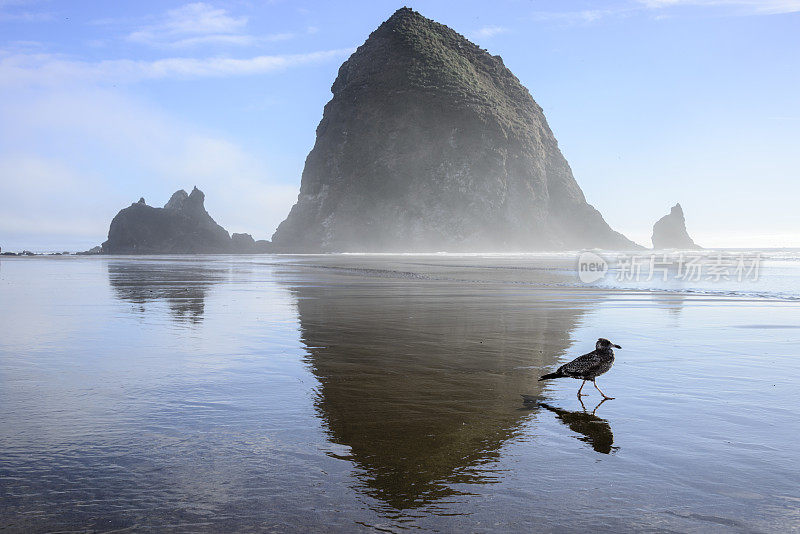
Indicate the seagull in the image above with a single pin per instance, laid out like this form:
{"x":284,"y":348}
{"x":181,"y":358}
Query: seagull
{"x":589,"y":366}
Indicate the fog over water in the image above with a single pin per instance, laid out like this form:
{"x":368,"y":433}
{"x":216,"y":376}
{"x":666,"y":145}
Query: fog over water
{"x":366,"y":392}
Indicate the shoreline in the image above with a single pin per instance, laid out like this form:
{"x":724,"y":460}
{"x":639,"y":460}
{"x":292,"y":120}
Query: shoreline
{"x":545,"y":270}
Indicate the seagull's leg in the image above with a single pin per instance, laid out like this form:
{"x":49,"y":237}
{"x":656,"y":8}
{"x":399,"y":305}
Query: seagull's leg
{"x":605,"y":397}
{"x":579,"y":390}
{"x":600,"y":404}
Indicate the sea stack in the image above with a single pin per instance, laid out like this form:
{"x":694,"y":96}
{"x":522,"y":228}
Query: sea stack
{"x":182,"y":226}
{"x":431,"y":144}
{"x":670,"y":231}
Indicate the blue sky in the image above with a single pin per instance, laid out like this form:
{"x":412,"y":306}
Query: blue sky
{"x":653,"y":102}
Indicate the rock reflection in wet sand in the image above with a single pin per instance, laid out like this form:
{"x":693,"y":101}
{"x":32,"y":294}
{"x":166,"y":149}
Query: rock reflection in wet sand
{"x":183,"y":286}
{"x":421,"y":381}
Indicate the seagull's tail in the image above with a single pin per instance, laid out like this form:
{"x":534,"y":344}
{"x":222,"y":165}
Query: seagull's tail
{"x":551,"y":375}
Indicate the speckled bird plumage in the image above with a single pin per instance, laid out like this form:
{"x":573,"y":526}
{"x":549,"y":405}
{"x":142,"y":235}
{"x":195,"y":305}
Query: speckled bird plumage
{"x":589,"y":366}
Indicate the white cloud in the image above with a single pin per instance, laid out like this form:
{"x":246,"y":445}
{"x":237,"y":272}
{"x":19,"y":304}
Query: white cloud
{"x":191,"y":21}
{"x":25,"y":16}
{"x":736,"y":7}
{"x":765,"y":7}
{"x":489,"y":31}
{"x":52,"y":69}
{"x":238,"y":40}
{"x":585,"y":16}
{"x":213,"y":39}
{"x":17,"y":11}
{"x":6,"y":3}
{"x":196,"y":25}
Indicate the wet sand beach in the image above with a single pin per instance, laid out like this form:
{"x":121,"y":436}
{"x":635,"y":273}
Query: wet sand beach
{"x":383,"y":393}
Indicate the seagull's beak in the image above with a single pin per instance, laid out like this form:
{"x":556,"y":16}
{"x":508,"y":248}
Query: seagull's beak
{"x":617,"y":347}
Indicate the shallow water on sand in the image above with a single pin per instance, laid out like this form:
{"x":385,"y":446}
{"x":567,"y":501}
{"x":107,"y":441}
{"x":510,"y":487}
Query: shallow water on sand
{"x":382,"y":393}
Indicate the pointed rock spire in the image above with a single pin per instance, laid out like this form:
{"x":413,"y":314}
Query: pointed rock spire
{"x":670,"y":231}
{"x":430,"y":143}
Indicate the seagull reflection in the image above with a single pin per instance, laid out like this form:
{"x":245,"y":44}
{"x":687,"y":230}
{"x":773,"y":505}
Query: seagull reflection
{"x":593,"y":429}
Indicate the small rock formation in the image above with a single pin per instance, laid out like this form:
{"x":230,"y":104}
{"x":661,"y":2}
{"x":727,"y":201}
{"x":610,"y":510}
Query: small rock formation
{"x":670,"y":231}
{"x":431,"y":144}
{"x":264,"y":247}
{"x":243,"y":243}
{"x":91,"y":252}
{"x":182,"y":226}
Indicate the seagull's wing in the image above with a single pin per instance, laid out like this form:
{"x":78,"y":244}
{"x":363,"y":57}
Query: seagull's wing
{"x":582,"y":365}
